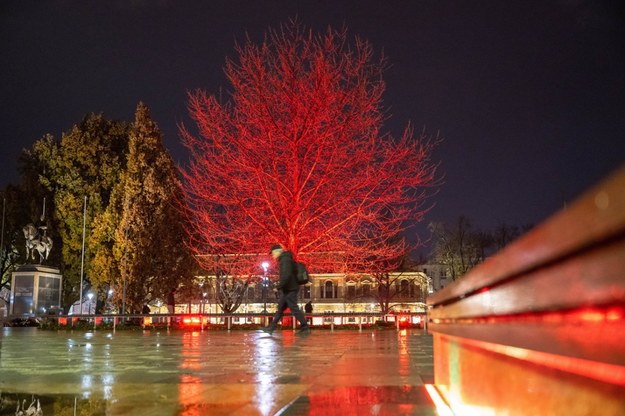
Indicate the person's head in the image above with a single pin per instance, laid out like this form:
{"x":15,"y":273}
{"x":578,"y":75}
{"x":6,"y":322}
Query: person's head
{"x":276,"y":250}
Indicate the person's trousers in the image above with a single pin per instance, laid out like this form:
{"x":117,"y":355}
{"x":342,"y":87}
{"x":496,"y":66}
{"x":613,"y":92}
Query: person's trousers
{"x":288,"y":300}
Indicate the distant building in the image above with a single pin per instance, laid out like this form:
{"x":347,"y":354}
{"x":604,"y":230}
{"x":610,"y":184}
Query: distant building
{"x":329,"y":293}
{"x":438,"y":274}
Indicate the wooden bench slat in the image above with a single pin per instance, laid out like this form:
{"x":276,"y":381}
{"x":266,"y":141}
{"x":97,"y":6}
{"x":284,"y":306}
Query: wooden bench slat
{"x":597,"y":216}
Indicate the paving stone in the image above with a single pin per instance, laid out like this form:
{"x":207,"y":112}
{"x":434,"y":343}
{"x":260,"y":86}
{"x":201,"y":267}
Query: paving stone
{"x":377,"y":372}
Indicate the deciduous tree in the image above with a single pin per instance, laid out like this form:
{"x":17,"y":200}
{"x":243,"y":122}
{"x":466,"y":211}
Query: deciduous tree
{"x":458,"y":246}
{"x":86,"y":161}
{"x":388,"y":290}
{"x":298,"y":155}
{"x":10,"y":228}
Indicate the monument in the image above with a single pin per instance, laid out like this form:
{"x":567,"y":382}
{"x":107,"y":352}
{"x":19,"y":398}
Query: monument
{"x":36,"y":288}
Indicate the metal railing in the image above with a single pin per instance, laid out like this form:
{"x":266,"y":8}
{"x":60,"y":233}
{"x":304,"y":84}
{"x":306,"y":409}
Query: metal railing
{"x":235,"y":320}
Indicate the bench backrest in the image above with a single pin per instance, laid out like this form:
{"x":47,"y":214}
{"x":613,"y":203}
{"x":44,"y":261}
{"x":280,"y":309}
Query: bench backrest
{"x":539,"y":328}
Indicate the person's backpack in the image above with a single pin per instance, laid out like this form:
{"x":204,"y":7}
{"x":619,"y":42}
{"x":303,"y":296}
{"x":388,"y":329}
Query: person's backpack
{"x":301,"y":273}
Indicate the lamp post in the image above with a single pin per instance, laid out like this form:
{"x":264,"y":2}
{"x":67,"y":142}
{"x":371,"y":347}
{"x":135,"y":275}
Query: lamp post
{"x":82,"y":255}
{"x":109,"y":300}
{"x":90,"y":296}
{"x":201,"y":306}
{"x":265,"y":284}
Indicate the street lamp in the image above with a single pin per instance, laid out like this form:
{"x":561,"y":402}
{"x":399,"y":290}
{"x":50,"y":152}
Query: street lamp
{"x":265,"y":266}
{"x":90,"y":296}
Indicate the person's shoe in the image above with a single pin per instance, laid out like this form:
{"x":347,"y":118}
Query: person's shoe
{"x":302,"y":332}
{"x":267,"y":330}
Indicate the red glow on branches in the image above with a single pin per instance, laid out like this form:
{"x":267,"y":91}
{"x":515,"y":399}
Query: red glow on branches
{"x":297,"y":155}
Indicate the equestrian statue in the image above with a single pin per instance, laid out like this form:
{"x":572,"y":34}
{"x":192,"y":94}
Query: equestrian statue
{"x":37,"y":240}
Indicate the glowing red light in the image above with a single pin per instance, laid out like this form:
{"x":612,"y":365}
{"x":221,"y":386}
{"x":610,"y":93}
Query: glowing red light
{"x":191,"y":320}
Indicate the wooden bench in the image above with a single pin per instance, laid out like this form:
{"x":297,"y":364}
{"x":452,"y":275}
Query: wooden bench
{"x":539,"y":328}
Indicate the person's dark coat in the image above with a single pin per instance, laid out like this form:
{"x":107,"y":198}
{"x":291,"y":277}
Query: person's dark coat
{"x":287,"y":281}
{"x":171,"y":300}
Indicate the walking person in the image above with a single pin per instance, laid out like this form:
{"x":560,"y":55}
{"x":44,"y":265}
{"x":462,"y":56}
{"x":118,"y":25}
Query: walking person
{"x":308,"y":309}
{"x":171,"y":302}
{"x":289,"y":289}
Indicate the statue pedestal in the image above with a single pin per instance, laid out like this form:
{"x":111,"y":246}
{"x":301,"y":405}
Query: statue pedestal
{"x":35,"y":289}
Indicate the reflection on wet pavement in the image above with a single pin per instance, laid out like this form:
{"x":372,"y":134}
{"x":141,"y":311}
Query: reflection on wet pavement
{"x":216,"y":372}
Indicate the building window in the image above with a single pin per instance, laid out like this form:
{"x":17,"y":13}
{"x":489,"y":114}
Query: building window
{"x":305,"y":291}
{"x":328,"y":290}
{"x":351,"y":292}
{"x":366,"y":289}
{"x":404,"y":288}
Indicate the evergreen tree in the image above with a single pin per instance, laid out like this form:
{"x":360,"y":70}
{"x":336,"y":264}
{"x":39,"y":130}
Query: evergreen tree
{"x":141,"y":233}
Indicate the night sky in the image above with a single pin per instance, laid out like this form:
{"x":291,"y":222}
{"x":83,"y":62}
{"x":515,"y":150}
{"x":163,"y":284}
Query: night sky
{"x":529,"y":96}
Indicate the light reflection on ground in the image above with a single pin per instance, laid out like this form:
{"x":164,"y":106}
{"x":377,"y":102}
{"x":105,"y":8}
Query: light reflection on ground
{"x":216,"y":372}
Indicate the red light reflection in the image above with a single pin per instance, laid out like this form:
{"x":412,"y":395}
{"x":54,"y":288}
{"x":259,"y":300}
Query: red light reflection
{"x":190,"y":387}
{"x":359,"y":400}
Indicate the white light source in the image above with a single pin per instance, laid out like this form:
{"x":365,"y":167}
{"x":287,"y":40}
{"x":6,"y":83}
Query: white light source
{"x":265,"y":266}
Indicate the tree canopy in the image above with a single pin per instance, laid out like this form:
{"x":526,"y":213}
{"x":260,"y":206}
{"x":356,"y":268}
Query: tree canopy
{"x":141,"y":233}
{"x":297,"y":155}
{"x":133,"y":226}
{"x":86,"y":161}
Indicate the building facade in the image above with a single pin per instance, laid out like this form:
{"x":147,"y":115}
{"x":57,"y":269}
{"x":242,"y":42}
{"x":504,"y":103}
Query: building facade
{"x":327,"y":293}
{"x":438,"y":274}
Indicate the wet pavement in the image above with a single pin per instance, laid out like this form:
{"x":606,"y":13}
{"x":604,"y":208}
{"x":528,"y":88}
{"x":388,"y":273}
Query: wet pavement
{"x":216,"y":372}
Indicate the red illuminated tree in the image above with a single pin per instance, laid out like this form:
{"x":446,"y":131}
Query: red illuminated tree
{"x":297,"y":156}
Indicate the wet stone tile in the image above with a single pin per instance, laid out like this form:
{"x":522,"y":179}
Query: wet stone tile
{"x":218,"y":372}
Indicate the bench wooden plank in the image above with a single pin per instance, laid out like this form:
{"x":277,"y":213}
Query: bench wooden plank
{"x":597,"y":216}
{"x":540,"y":327}
{"x":594,"y":278}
